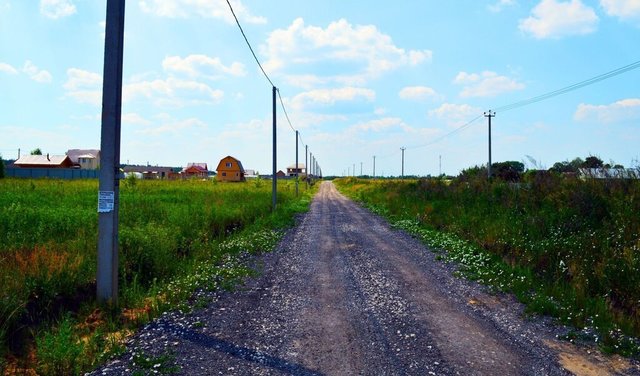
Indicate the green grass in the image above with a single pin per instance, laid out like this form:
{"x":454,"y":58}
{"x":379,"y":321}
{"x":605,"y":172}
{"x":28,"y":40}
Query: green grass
{"x":565,"y":247}
{"x":175,"y":237}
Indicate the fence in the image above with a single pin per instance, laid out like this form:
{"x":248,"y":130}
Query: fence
{"x":52,"y":173}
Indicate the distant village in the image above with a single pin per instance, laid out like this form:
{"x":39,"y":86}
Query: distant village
{"x":85,"y":164}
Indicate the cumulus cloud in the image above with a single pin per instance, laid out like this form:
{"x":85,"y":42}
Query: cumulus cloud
{"x":201,"y":8}
{"x":85,"y":87}
{"x":485,"y":84}
{"x":57,"y":8}
{"x":201,"y":66}
{"x":135,"y":119}
{"x":455,"y":114}
{"x":625,"y":109}
{"x":418,"y":93}
{"x":174,"y":126}
{"x":329,"y":97}
{"x":556,"y":19}
{"x":35,"y":73}
{"x":624,"y":9}
{"x":7,"y":68}
{"x":360,"y":50}
{"x":172,"y":92}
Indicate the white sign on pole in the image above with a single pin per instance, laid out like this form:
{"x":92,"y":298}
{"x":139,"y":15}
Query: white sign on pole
{"x":105,"y":201}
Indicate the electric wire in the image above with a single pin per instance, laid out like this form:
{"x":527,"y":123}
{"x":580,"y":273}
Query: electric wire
{"x":249,"y":44}
{"x":569,"y":88}
{"x":285,"y":111}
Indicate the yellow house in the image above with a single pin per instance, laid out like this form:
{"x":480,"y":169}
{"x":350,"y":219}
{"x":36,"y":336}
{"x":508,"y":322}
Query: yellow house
{"x":230,"y":169}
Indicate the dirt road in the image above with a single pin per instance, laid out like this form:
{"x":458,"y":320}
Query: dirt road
{"x":346,"y":295}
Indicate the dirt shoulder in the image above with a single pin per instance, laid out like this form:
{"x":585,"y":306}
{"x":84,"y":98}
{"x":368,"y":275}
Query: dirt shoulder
{"x":344,"y":294}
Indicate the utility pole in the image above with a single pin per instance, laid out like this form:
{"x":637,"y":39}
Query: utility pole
{"x":306,"y":163}
{"x":439,"y":165}
{"x":360,"y":168}
{"x":354,"y":170}
{"x":310,"y":164}
{"x":108,"y":188}
{"x":403,"y":149}
{"x":297,"y":176}
{"x":489,"y":115}
{"x":374,"y":166}
{"x":274,"y":180}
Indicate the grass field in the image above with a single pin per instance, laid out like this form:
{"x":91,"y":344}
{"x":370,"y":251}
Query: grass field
{"x":175,"y":237}
{"x":566,"y":247}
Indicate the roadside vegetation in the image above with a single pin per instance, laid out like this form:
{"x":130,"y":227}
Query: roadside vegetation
{"x":567,"y":247}
{"x":176,"y":238}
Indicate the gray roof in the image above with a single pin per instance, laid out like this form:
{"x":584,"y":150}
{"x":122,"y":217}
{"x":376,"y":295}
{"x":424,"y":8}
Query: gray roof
{"x":74,"y":154}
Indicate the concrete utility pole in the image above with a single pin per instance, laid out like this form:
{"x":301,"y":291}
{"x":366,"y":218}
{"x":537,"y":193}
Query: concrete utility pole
{"x":374,"y":166}
{"x":297,"y":175}
{"x":360,"y":168}
{"x":306,"y":163}
{"x":489,"y":114}
{"x":403,"y":149}
{"x":354,"y":170}
{"x":439,"y":165}
{"x":108,"y":190}
{"x":274,"y":180}
{"x":310,"y":163}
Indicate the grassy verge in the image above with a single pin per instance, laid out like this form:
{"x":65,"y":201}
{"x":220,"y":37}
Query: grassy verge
{"x":566,"y":248}
{"x":176,"y":238}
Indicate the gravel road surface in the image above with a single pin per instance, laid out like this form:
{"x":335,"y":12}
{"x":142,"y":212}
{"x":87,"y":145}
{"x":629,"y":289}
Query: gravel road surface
{"x":344,"y":294}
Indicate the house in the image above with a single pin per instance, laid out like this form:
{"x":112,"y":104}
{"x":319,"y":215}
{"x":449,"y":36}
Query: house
{"x":86,"y":159}
{"x":250,"y":174}
{"x":296,"y":170}
{"x":280,"y":174}
{"x":44,"y":161}
{"x":150,"y":172}
{"x":195,"y":170}
{"x":230,"y":169}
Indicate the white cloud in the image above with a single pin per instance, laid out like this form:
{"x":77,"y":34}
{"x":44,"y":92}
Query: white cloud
{"x":331,"y":96}
{"x":380,"y":125}
{"x":500,"y":5}
{"x":485,"y":84}
{"x":203,"y":8}
{"x":624,"y":9}
{"x":6,"y":68}
{"x":622,"y":110}
{"x":455,"y":114}
{"x":57,"y":8}
{"x":360,"y":50}
{"x":78,"y":79}
{"x":201,"y":65}
{"x":135,"y":119}
{"x":418,"y":93}
{"x":36,"y":74}
{"x":172,"y":92}
{"x":174,"y":126}
{"x":556,"y":19}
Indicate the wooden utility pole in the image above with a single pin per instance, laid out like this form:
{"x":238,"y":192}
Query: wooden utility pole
{"x":108,"y":186}
{"x":489,"y":114}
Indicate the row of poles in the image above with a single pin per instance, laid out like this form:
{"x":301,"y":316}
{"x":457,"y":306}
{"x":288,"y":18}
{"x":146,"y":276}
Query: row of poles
{"x":109,"y":181}
{"x":488,"y":114}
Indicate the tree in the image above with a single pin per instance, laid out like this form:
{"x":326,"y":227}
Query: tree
{"x":36,"y":151}
{"x":508,"y":171}
{"x":592,"y":162}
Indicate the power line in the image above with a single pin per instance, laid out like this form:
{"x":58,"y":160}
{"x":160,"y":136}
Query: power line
{"x":249,"y":44}
{"x":569,"y":88}
{"x":460,"y":128}
{"x":285,"y":112}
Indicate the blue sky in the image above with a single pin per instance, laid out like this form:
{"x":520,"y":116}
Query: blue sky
{"x":358,"y":78}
